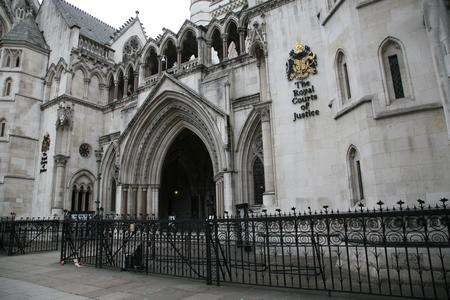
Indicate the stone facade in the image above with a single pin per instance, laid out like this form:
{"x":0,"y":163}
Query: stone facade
{"x":89,"y":113}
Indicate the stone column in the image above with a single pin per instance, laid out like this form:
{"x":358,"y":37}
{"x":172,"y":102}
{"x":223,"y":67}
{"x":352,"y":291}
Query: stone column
{"x":228,"y":192}
{"x":208,"y":60}
{"x":241,"y":40}
{"x":75,"y":201}
{"x":102,"y":98}
{"x":86,"y":88}
{"x":98,"y":159}
{"x":119,"y":198}
{"x":83,"y":200}
{"x":225,"y":46}
{"x":124,"y":208}
{"x":179,"y":58}
{"x":149,"y":206}
{"x":200,"y":50}
{"x":136,"y":80}
{"x":116,"y":90}
{"x":69,"y":77}
{"x":219,"y":196}
{"x":159,"y":65}
{"x":269,"y":194}
{"x":139,"y":200}
{"x":58,"y":204}
{"x":143,"y":201}
{"x":132,"y":192}
{"x":155,"y":199}
{"x":58,"y":80}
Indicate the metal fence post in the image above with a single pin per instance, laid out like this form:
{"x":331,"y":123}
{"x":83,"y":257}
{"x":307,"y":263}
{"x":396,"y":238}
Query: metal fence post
{"x":208,"y":239}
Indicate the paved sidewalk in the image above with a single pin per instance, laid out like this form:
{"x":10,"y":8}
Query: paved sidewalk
{"x":40,"y":276}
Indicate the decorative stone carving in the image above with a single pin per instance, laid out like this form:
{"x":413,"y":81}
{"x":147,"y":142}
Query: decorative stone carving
{"x":65,"y":116}
{"x":256,"y":36}
{"x":61,"y":160}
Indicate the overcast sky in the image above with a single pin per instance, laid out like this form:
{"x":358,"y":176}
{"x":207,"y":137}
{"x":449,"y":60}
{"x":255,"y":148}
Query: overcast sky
{"x":154,"y":14}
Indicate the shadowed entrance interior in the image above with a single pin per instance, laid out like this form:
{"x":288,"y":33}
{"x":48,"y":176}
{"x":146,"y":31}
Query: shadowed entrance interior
{"x":187,"y":185}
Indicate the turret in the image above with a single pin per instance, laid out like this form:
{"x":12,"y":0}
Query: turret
{"x":200,"y":12}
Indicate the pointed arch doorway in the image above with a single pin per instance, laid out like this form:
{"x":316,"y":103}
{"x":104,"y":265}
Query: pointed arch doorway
{"x":187,"y":182}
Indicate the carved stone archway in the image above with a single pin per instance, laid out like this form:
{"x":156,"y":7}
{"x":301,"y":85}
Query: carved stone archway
{"x":146,"y":141}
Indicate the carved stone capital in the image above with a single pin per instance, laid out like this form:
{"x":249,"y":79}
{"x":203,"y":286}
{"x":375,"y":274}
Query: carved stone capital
{"x":264,"y":111}
{"x":61,"y":160}
{"x":99,"y":155}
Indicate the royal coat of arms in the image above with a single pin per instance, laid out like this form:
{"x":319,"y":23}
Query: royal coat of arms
{"x":302,"y":62}
{"x":46,"y":143}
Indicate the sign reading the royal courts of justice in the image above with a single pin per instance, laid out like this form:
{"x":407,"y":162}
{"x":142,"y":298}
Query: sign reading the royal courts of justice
{"x":302,"y":64}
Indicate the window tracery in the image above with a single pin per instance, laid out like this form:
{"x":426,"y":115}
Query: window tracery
{"x":131,"y":48}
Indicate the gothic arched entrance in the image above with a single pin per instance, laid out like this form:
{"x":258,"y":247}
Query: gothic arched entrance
{"x":187,"y":182}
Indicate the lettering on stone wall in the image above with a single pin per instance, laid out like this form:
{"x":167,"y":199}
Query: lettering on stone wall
{"x":304,"y":98}
{"x":44,"y":150}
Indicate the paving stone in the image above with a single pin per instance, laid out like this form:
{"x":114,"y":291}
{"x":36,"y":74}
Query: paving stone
{"x":20,"y":281}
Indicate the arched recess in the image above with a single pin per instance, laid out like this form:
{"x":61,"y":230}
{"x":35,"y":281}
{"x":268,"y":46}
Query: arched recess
{"x":356,"y":177}
{"x":153,"y":130}
{"x":342,"y":75}
{"x":249,"y":155}
{"x":109,"y":180}
{"x":169,"y":51}
{"x":151,"y":62}
{"x":233,"y":43}
{"x":81,"y":192}
{"x":78,"y":83}
{"x":216,"y":42}
{"x":189,"y":46}
{"x":94,"y":90}
{"x":395,"y":70}
{"x":111,"y":89}
{"x":130,"y":81}
{"x":120,"y":85}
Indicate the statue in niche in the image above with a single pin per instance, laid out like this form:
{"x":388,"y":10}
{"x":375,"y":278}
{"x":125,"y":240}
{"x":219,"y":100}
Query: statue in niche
{"x":214,"y":56}
{"x":232,"y":52}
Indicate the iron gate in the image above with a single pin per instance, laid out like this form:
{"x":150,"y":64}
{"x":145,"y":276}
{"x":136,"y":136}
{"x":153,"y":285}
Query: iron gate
{"x":392,"y":252}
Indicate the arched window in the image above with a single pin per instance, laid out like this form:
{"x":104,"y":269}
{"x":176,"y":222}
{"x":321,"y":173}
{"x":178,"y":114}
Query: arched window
{"x":151,"y":63}
{"x":234,"y":47}
{"x":258,"y":181}
{"x":395,"y":71}
{"x":82,"y":193}
{"x":170,"y":55}
{"x":356,"y":176}
{"x":2,"y":128}
{"x":189,"y":47}
{"x":18,"y":61}
{"x":8,"y":87}
{"x":343,"y":78}
{"x":121,"y":87}
{"x":130,"y":83}
{"x":111,"y":89}
{"x":216,"y":47}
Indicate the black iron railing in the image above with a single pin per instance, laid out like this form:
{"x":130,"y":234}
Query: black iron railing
{"x":27,"y":236}
{"x":399,"y":251}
